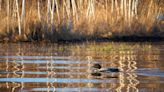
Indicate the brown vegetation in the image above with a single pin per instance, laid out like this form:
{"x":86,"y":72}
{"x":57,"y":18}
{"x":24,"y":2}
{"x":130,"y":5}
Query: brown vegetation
{"x":28,"y":20}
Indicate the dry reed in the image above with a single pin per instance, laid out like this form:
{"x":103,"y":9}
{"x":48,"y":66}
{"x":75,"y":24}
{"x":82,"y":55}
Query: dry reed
{"x":27,"y":20}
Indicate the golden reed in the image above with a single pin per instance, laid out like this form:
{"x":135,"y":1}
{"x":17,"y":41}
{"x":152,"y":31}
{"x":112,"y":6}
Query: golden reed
{"x":29,"y":20}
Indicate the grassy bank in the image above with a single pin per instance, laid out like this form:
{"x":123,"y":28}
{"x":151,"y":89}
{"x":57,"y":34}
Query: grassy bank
{"x":78,"y":20}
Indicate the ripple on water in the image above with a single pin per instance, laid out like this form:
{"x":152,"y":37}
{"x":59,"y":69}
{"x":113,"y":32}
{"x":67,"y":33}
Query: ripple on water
{"x":68,"y":67}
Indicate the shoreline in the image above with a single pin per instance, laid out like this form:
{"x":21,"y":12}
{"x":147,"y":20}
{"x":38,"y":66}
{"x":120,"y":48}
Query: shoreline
{"x":93,"y":39}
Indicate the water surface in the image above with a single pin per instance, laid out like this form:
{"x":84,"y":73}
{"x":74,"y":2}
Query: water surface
{"x":29,"y":67}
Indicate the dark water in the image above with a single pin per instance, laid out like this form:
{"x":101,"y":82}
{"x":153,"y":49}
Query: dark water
{"x":28,"y":67}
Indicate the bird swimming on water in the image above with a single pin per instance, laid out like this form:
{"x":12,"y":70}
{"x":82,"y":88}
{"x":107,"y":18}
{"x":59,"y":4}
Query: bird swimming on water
{"x":98,"y":68}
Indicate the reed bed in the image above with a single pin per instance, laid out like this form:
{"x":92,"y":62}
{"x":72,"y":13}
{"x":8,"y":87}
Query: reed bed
{"x":57,"y":20}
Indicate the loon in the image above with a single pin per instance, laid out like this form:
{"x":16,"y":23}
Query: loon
{"x":98,"y":68}
{"x":98,"y":71}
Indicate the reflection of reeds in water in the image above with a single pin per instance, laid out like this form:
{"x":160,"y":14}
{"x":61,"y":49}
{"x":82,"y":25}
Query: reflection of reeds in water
{"x":17,"y":85}
{"x":48,"y":74}
{"x":133,"y":82}
{"x":15,"y":70}
{"x":128,"y":79}
{"x":131,"y":75}
{"x":89,"y":60}
{"x":7,"y":68}
{"x":18,"y":69}
{"x":89,"y":65}
{"x":52,"y":73}
{"x":131,"y":62}
{"x":20,"y":54}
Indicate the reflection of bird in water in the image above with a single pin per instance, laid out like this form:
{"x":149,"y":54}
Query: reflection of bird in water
{"x":97,"y":70}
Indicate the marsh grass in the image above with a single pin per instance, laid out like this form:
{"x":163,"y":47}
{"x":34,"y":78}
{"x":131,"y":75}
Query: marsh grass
{"x":86,"y":20}
{"x":112,"y":47}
